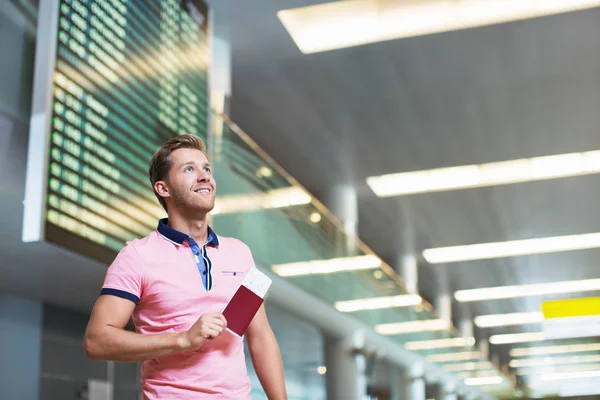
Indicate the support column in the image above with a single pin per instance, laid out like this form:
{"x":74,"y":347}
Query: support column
{"x":416,"y":388}
{"x":406,"y":263}
{"x":396,"y":382}
{"x":443,"y":305}
{"x":466,"y":328}
{"x":408,"y":270}
{"x":220,"y":93}
{"x":342,"y":200}
{"x":20,"y":347}
{"x":448,"y":392}
{"x":414,"y":383}
{"x":346,"y":376}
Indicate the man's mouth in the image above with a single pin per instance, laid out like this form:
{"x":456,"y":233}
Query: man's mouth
{"x":202,"y":191}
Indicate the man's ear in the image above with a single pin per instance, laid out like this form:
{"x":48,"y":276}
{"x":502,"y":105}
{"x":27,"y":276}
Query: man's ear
{"x":162,"y":189}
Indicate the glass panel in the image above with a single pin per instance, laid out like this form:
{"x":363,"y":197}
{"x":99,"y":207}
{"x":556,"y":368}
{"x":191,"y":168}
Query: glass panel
{"x":260,"y":204}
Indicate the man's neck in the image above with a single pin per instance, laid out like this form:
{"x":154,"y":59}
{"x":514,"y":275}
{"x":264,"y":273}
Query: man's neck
{"x":196,"y":228}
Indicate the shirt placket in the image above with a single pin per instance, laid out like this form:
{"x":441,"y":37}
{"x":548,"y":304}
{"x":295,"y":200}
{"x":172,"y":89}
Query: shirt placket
{"x":203,"y":263}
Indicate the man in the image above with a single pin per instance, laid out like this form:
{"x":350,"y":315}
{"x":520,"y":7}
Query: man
{"x":175,"y":283}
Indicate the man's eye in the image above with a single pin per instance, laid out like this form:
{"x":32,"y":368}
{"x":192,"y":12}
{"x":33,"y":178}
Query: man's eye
{"x":189,"y":169}
{"x":207,"y":169}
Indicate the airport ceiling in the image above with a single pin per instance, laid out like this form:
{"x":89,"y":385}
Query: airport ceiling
{"x":516,"y":90}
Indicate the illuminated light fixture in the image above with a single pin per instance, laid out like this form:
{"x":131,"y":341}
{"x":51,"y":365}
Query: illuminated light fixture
{"x":315,"y":217}
{"x":485,"y":380}
{"x":484,"y":251}
{"x":264,"y":172}
{"x":476,"y":374}
{"x":570,"y":375}
{"x":449,"y":357}
{"x":536,"y":362}
{"x":538,"y":289}
{"x":548,"y":350}
{"x":494,"y":320}
{"x":439,"y":343}
{"x":470,"y":366}
{"x":517,"y":338}
{"x":350,"y":23}
{"x":322,"y":370}
{"x":554,"y":369}
{"x":492,"y":174}
{"x":376,"y":303}
{"x":276,"y":198}
{"x":413,"y":326}
{"x":329,"y":266}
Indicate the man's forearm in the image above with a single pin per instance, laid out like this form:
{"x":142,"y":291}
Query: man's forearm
{"x":115,"y":344}
{"x":266,"y":359}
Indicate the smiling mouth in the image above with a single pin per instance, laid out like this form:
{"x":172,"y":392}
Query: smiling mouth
{"x":202,"y":191}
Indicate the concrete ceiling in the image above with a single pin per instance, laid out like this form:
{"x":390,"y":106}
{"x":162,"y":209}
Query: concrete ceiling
{"x":522,"y":89}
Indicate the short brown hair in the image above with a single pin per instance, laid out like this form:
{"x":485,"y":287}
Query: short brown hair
{"x":161,"y":161}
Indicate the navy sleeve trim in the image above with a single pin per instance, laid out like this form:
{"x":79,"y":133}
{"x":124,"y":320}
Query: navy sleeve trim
{"x":121,"y":293}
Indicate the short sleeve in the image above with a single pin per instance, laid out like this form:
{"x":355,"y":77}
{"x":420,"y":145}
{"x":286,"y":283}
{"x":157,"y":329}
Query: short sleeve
{"x":124,"y":276}
{"x":249,"y":262}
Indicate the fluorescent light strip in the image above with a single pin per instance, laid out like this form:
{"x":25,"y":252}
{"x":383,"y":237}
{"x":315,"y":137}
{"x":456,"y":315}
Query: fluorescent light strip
{"x":517,"y":338}
{"x":350,"y":23}
{"x":548,"y":350}
{"x":539,"y":289}
{"x":495,"y":320}
{"x":536,"y":362}
{"x":570,"y":375}
{"x":470,"y":366}
{"x":477,"y":374}
{"x":276,"y":198}
{"x":439,"y":343}
{"x":398,"y":328}
{"x":375,"y":303}
{"x":554,"y":369}
{"x":484,"y":251}
{"x":342,"y":264}
{"x":491,"y":380}
{"x":491,"y":174}
{"x":449,"y":357}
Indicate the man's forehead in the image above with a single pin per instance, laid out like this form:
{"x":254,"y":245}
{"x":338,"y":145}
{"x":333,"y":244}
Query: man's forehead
{"x":182,"y":156}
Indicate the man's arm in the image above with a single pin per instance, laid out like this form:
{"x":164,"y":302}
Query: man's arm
{"x":106,"y":338}
{"x":266,"y":357}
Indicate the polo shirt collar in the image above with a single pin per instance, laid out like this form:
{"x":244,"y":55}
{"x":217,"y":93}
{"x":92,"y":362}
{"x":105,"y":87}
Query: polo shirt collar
{"x":179,"y":238}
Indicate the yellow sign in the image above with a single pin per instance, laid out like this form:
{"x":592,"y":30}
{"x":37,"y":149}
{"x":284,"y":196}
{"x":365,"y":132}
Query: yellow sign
{"x":571,"y":308}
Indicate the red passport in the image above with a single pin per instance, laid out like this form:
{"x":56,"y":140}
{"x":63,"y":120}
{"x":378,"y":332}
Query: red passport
{"x":246,"y":302}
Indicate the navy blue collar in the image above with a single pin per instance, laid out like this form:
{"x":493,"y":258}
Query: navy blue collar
{"x":179,"y":237}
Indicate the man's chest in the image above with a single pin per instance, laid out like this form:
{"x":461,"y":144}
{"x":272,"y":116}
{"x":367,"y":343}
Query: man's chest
{"x":178,"y":281}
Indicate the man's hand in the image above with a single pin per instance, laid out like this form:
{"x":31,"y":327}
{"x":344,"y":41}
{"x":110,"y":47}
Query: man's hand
{"x":208,"y":326}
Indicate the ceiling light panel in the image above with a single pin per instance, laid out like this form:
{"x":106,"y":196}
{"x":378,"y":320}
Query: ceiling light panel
{"x":484,"y":251}
{"x":375,"y":303}
{"x":540,"y":289}
{"x":550,"y":350}
{"x":517,"y":338}
{"x":349,"y":23}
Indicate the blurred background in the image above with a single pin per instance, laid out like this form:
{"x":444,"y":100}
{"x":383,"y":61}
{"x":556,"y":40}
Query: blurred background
{"x":416,"y":176}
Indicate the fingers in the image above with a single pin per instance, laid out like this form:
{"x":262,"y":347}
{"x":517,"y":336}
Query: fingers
{"x":215,"y":318}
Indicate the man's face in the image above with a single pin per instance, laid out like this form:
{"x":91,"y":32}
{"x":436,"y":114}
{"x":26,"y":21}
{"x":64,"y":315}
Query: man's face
{"x":190,"y":182}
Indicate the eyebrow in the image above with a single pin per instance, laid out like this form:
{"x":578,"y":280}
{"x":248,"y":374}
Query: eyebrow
{"x":206,"y":164}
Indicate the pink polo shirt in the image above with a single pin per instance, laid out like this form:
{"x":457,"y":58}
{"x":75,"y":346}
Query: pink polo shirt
{"x":163,"y":274}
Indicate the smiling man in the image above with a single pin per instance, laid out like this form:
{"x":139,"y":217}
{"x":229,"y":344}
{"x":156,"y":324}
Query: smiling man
{"x":174,"y":284}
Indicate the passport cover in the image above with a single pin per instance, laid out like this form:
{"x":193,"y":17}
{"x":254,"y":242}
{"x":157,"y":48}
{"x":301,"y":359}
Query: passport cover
{"x":246,"y":302}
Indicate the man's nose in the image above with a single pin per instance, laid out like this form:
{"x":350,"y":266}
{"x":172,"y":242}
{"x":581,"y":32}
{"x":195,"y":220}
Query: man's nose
{"x":203,"y":176}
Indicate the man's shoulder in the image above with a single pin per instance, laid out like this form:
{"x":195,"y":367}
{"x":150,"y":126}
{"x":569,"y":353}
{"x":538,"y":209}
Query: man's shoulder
{"x":143,"y":244}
